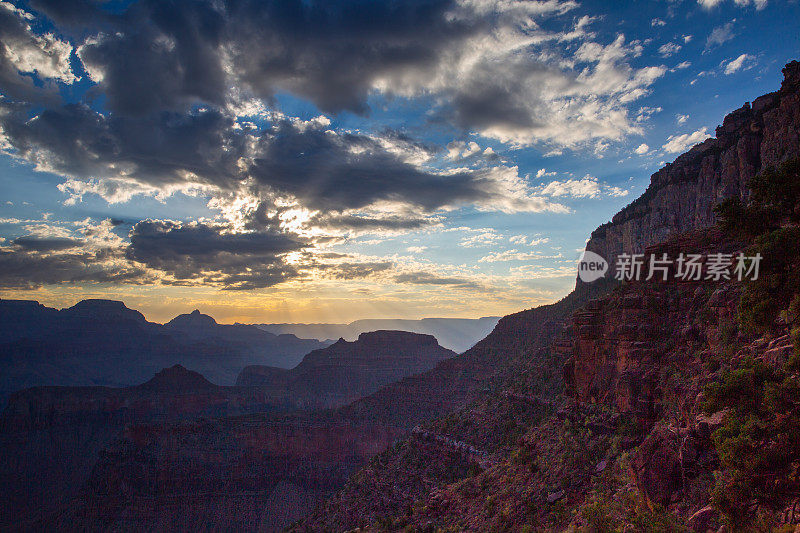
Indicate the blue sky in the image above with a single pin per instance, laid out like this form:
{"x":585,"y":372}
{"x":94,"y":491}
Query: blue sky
{"x":295,"y":161}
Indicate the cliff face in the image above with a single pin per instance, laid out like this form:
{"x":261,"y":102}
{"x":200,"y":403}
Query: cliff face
{"x":630,"y":447}
{"x":346,"y":371}
{"x":682,"y":195}
{"x":623,"y":342}
{"x":244,"y":474}
{"x":50,"y":437}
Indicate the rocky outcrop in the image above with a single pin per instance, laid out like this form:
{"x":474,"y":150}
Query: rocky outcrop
{"x":50,"y":437}
{"x":346,"y":371}
{"x":636,"y":361}
{"x":682,"y":195}
{"x":226,"y":474}
{"x":623,"y":342}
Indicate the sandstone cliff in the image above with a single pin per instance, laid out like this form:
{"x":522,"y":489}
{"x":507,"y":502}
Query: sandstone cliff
{"x":50,"y":437}
{"x":631,"y":447}
{"x":682,"y":195}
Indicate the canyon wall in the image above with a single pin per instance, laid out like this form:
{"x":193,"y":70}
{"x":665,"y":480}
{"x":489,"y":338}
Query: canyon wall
{"x":682,"y":195}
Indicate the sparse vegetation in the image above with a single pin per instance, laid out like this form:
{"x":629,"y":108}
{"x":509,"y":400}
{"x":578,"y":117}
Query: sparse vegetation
{"x":759,"y":441}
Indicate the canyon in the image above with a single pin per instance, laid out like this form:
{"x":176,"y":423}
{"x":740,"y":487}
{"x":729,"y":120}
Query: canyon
{"x":610,"y":409}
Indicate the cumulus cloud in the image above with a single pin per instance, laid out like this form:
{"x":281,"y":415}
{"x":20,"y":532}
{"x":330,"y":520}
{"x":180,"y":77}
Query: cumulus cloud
{"x":735,"y":65}
{"x":680,"y":143}
{"x":586,"y":187}
{"x":24,"y":52}
{"x":188,"y":104}
{"x":642,"y":149}
{"x":529,"y":241}
{"x":356,"y":270}
{"x":52,"y":254}
{"x":492,"y":63}
{"x":214,"y":255}
{"x":486,"y":238}
{"x":117,"y":157}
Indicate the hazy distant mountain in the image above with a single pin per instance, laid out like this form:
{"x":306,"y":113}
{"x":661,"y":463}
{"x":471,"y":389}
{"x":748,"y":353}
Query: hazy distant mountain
{"x":457,"y":334}
{"x":103,"y":342}
{"x":346,"y":371}
{"x":51,"y":437}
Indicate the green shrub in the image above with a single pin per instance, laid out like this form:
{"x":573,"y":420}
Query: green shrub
{"x":759,"y":442}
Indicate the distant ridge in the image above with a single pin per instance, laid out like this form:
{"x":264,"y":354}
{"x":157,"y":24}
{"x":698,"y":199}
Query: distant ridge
{"x":346,"y":371}
{"x":192,"y":320}
{"x":104,"y":342}
{"x":457,"y":334}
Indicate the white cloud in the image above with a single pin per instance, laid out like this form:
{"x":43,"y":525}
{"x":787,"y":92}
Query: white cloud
{"x":487,"y":238}
{"x":587,"y":187}
{"x":461,"y":149}
{"x":642,"y":149}
{"x":681,"y":119}
{"x":680,"y":143}
{"x":523,"y":86}
{"x":737,"y":64}
{"x":669,"y":49}
{"x":45,"y":55}
{"x":512,"y":255}
{"x":416,"y":249}
{"x":526,"y":240}
{"x":542,"y":172}
{"x":708,"y":4}
{"x":720,"y":35}
{"x":657,"y":22}
{"x":645,"y":113}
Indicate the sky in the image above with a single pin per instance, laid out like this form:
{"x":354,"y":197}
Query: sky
{"x":304,"y":161}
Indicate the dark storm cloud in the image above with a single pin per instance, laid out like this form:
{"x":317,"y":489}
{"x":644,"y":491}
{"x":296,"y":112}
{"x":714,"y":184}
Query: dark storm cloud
{"x":15,"y":38}
{"x":158,"y":150}
{"x":214,"y":255}
{"x":28,"y":268}
{"x":492,"y":99}
{"x":397,"y":223}
{"x":348,"y":171}
{"x":156,"y":55}
{"x":322,"y":169}
{"x":46,"y":245}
